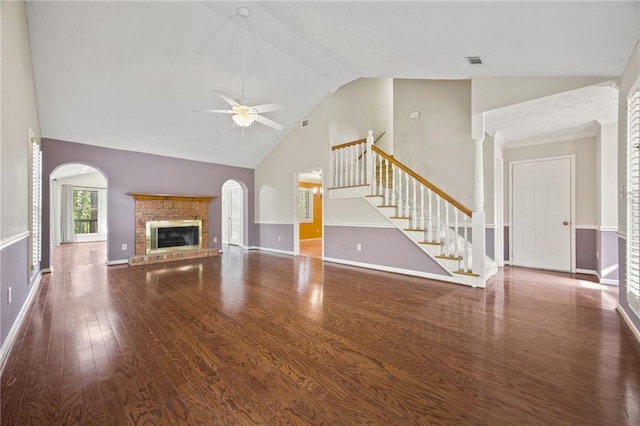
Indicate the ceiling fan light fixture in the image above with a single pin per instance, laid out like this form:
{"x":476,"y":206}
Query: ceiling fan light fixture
{"x":242,"y":119}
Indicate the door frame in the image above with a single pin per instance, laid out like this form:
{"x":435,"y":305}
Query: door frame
{"x":296,"y":220}
{"x":225,"y":210}
{"x":572,"y":205}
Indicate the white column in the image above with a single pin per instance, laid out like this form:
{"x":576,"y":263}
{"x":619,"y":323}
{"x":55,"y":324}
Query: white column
{"x":369,"y":161}
{"x":478,"y":217}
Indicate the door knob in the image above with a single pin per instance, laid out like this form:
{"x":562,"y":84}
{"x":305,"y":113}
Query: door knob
{"x":565,"y":223}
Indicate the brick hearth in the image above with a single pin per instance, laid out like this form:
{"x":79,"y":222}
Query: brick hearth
{"x":170,"y":207}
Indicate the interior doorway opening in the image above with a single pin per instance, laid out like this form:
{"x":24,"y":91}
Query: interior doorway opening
{"x":233,"y":213}
{"x":309,"y":227}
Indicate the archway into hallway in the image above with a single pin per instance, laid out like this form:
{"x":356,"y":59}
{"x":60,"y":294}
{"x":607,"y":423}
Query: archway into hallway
{"x":78,"y":209}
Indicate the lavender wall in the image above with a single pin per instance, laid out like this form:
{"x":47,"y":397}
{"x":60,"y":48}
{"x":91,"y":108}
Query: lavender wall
{"x":267,"y":235}
{"x":622,"y":291}
{"x":380,"y":246}
{"x":128,"y":171}
{"x":14,"y":274}
{"x":586,"y":247}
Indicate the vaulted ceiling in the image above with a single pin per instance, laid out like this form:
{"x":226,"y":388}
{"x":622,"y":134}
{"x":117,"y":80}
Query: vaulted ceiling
{"x":127,"y":75}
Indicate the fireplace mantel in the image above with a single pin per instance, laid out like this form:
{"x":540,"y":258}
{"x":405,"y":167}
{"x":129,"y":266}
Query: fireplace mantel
{"x":147,"y":196}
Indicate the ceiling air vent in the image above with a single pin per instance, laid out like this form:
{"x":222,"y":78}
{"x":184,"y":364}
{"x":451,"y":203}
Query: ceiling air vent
{"x":304,"y":123}
{"x":474,"y":60}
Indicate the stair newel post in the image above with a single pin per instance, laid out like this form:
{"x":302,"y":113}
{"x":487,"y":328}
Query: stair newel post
{"x":478,"y":216}
{"x":466,"y":244}
{"x":370,"y":159}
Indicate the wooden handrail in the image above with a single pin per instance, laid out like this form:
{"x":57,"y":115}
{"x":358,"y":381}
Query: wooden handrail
{"x":346,"y":144}
{"x":425,"y":182}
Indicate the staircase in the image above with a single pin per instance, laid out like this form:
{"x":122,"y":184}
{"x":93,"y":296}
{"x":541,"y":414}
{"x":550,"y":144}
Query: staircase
{"x":433,"y":220}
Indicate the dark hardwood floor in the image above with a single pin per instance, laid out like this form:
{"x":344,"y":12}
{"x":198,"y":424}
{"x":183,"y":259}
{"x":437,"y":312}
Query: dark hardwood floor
{"x":311,"y":248}
{"x":259,"y":338}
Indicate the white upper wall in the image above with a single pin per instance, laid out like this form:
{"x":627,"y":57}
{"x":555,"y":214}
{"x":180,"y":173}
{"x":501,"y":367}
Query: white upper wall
{"x":488,"y":93}
{"x":18,"y":114}
{"x":607,"y":167}
{"x":437,"y":145}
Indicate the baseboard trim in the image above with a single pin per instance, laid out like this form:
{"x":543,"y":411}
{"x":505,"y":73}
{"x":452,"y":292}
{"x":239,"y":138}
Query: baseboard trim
{"x":393,"y":270}
{"x":605,"y":281}
{"x":117,"y":262}
{"x":46,"y":270}
{"x":632,"y":327}
{"x":289,"y":253}
{"x":13,"y":331}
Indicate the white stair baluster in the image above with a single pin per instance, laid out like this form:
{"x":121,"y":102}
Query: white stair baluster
{"x":438,"y":224}
{"x":392,"y":189}
{"x":456,"y":250}
{"x":342,"y":174}
{"x":407,"y":212}
{"x":447,"y":232}
{"x":430,"y":217}
{"x":421,"y":206}
{"x":399,"y":204}
{"x":414,"y":206}
{"x":383,"y":180}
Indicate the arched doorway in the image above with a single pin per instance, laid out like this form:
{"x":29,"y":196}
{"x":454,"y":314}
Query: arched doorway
{"x":233,"y":213}
{"x":78,"y":205}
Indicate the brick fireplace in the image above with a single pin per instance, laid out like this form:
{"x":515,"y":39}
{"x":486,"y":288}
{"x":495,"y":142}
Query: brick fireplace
{"x":172,"y":209}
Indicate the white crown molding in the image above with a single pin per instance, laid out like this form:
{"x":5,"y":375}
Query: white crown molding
{"x":6,"y":242}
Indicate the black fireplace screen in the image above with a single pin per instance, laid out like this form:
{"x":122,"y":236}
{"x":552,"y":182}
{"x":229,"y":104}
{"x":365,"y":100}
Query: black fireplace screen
{"x":177,"y":236}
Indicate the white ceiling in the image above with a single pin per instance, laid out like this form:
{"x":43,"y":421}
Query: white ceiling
{"x":128,"y":74}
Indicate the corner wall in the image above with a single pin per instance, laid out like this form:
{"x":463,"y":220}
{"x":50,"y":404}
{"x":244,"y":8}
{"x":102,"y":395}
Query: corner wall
{"x":18,"y":113}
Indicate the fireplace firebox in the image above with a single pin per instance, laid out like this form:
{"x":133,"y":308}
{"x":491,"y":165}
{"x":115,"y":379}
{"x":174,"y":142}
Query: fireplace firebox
{"x":168,"y":236}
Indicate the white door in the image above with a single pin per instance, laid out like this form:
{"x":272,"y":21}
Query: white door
{"x":235,"y":215}
{"x":541,"y":214}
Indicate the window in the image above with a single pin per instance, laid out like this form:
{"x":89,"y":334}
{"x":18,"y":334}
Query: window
{"x":36,"y":201}
{"x":305,"y":205}
{"x":85,"y":211}
{"x":633,"y":200}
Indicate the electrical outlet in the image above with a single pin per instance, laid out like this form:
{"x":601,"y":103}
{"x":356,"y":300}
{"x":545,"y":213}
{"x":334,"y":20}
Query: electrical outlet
{"x":359,"y":247}
{"x":124,"y":247}
{"x":215,"y":239}
{"x":9,"y":295}
{"x":279,"y":239}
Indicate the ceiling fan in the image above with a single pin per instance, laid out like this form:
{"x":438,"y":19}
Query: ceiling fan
{"x":244,"y":115}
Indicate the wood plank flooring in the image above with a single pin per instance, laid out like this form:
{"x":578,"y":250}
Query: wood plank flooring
{"x":311,"y":248}
{"x":257,"y":338}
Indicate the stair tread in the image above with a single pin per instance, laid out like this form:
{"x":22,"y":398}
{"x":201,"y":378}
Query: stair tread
{"x":449,"y":257}
{"x":431,"y":243}
{"x":388,"y":206}
{"x":399,"y":217}
{"x":472,"y":274}
{"x":414,"y":229}
{"x":373,"y":196}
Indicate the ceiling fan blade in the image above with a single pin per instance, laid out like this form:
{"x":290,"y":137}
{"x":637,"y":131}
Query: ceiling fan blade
{"x":267,"y":122}
{"x":226,"y":97}
{"x":223,"y":111}
{"x":268,"y":108}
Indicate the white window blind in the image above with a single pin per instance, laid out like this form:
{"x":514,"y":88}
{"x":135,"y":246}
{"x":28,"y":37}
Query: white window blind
{"x":36,"y":200}
{"x":633,"y":199}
